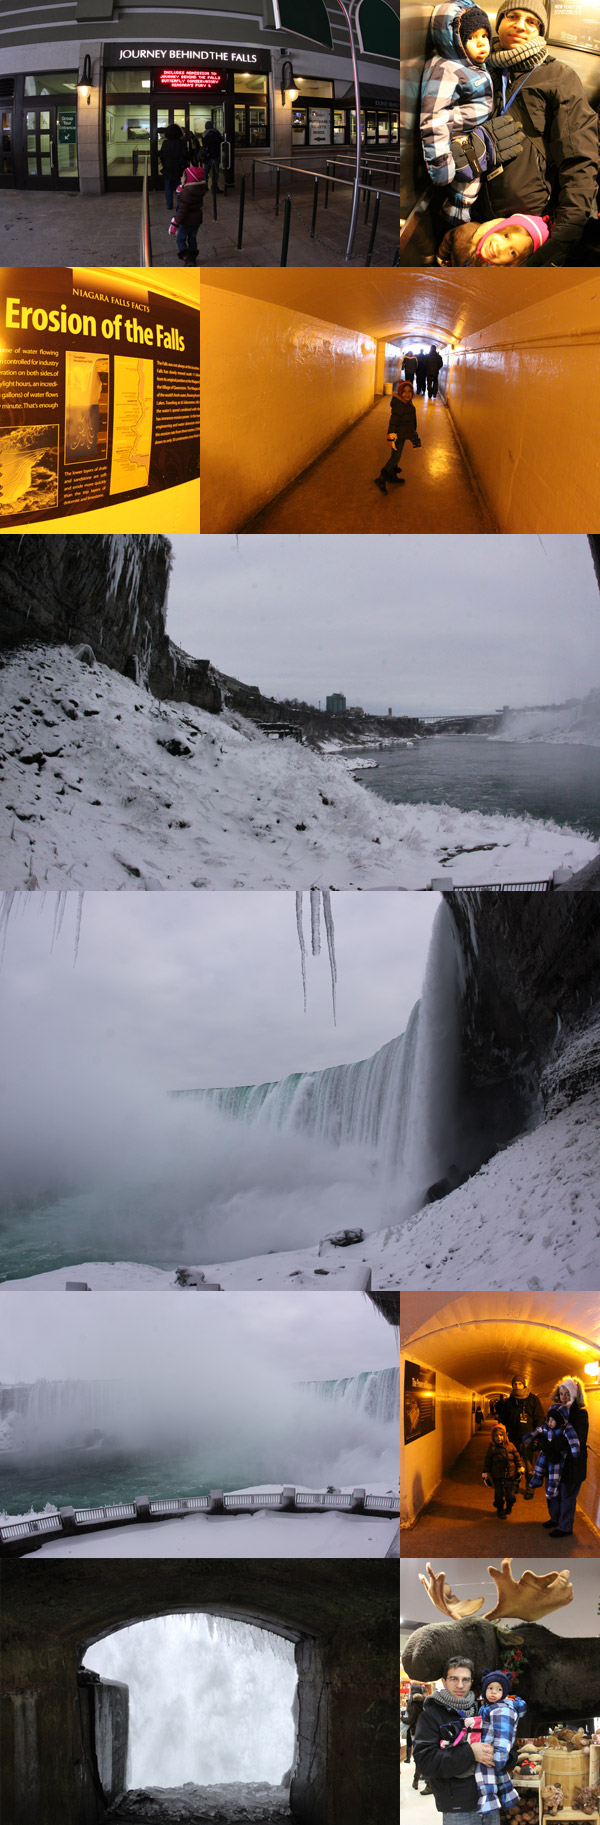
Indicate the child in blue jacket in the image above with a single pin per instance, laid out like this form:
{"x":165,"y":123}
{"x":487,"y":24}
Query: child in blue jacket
{"x":457,"y":95}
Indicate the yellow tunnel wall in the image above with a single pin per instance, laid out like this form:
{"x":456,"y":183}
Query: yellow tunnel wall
{"x":589,"y":1494}
{"x":277,"y":387}
{"x":425,"y":1461}
{"x":525,"y":399}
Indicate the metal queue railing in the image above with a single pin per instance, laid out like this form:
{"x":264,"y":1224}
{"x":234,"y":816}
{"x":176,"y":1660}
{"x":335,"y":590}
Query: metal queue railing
{"x":28,"y":1535}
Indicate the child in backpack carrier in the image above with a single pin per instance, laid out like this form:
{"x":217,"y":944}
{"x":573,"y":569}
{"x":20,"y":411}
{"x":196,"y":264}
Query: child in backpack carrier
{"x":501,"y":1470}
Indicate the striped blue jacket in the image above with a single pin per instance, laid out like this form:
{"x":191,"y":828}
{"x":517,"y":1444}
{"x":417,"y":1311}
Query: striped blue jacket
{"x":455,"y":93}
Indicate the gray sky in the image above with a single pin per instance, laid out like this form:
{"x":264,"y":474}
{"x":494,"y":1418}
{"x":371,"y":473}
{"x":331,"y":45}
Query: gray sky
{"x":469,"y":1578}
{"x":426,"y":625}
{"x":190,"y":990}
{"x":295,"y":1336}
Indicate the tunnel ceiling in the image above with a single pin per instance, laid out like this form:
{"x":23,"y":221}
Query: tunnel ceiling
{"x":482,"y":1340}
{"x":433,"y":303}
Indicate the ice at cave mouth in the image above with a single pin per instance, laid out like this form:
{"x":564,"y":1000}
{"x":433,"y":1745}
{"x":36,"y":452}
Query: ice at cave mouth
{"x":211,"y":1699}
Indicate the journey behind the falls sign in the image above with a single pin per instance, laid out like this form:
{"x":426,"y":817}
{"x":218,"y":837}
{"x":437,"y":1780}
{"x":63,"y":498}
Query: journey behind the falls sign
{"x":99,"y":392}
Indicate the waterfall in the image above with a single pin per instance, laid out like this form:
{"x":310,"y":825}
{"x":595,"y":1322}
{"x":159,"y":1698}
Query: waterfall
{"x":375,"y":1393}
{"x":401,"y":1103}
{"x":39,"y":1410}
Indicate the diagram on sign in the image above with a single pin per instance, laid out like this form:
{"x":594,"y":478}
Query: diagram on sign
{"x":86,"y":407}
{"x":132,"y":423}
{"x":28,"y":469}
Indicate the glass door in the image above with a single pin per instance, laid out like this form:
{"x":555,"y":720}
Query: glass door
{"x":51,"y":146}
{"x":6,"y":147}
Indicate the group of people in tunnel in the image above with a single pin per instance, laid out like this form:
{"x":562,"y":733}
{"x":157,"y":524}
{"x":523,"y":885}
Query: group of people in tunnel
{"x":509,"y":137}
{"x":548,"y":1448}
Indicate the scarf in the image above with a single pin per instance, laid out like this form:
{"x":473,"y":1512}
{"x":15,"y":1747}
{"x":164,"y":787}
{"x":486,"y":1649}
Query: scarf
{"x":519,"y":57}
{"x":465,"y":1705}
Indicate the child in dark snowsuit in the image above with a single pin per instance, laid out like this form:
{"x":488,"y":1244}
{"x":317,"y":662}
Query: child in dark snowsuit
{"x":402,"y":429}
{"x":456,"y":96}
{"x":188,"y":214}
{"x":502,"y":1468}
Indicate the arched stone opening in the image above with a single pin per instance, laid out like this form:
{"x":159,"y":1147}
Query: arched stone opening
{"x":106,"y":1720}
{"x":346,"y":1632}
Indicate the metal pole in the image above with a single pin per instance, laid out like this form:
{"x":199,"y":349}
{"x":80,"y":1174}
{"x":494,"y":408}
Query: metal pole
{"x":368,"y":195}
{"x":314,"y":211}
{"x":253,"y":177}
{"x":241,"y":220}
{"x":354,"y":215}
{"x":287,"y":216}
{"x":277,"y":188}
{"x":373,"y":229}
{"x":327,"y":184}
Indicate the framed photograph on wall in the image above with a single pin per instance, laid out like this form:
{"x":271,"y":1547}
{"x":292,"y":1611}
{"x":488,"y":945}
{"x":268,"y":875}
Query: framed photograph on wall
{"x":419,"y":1401}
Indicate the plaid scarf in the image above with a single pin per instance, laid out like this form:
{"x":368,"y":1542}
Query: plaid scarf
{"x":550,"y":1463}
{"x":498,"y":1727}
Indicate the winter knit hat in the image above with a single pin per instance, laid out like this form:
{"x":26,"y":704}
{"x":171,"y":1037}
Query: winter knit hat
{"x":537,"y":8}
{"x":567,"y":1382}
{"x":473,"y":20}
{"x":502,"y":1679}
{"x":536,"y":225}
{"x":558,"y":1414}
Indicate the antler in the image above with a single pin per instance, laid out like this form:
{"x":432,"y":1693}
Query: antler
{"x":534,"y":1596}
{"x":444,"y":1599}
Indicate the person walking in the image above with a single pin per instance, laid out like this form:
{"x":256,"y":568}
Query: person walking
{"x":212,"y":141}
{"x":422,"y":372}
{"x":402,"y":428}
{"x":478,"y":1417}
{"x":450,"y":1770}
{"x":188,"y":214}
{"x":173,"y":158}
{"x":433,"y":363}
{"x":411,"y":1714}
{"x":521,"y":1413}
{"x":409,"y":367}
{"x":558,"y":1467}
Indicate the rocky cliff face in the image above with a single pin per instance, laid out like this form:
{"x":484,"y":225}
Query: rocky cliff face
{"x":531,"y":971}
{"x":108,"y":593}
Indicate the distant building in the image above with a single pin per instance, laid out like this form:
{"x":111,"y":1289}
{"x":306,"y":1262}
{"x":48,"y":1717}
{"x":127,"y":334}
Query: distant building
{"x":390,"y":712}
{"x":336,"y":704}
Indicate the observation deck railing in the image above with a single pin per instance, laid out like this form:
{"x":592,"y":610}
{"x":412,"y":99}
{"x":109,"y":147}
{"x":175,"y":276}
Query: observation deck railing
{"x":28,"y":1535}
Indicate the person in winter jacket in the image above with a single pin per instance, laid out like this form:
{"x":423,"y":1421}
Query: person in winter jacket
{"x":571,"y":1400}
{"x":433,"y":363}
{"x":521,"y":1413}
{"x":212,"y":141}
{"x":501,"y":1469}
{"x":409,"y":366}
{"x":411,"y":1714}
{"x":456,"y":95}
{"x":402,"y":428}
{"x":188,"y":214}
{"x":545,"y":134}
{"x":450,"y":1770}
{"x":173,"y":158}
{"x":497,"y":1723}
{"x":559,"y":1445}
{"x":422,"y":372}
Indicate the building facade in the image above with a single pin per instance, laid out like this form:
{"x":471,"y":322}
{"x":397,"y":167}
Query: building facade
{"x":88,"y":87}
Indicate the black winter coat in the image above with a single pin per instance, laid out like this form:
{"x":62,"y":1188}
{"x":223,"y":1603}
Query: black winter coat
{"x":188,"y":213}
{"x":560,"y":178}
{"x":450,"y":1772}
{"x":533,"y":1413}
{"x":575,"y":1470}
{"x":173,"y":156}
{"x":403,"y":418}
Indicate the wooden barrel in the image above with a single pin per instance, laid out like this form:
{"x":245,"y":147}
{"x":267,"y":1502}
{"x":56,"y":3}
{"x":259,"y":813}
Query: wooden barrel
{"x":568,"y":1770}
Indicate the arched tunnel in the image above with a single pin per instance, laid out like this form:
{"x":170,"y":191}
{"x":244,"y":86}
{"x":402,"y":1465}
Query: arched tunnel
{"x":295,"y":417}
{"x":459,"y":1354}
{"x":346,"y":1635}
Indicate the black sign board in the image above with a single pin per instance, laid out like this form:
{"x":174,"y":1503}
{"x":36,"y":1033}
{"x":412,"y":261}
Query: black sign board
{"x":188,"y":56}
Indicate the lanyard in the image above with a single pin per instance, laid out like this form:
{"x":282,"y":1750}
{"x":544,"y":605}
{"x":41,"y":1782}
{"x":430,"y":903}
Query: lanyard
{"x":505,"y":81}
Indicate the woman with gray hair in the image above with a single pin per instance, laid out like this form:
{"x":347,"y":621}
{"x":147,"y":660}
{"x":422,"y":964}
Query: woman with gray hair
{"x":569,"y":1400}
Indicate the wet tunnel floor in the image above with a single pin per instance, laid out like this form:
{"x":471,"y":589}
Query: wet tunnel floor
{"x":337,"y":492}
{"x":461,"y":1521}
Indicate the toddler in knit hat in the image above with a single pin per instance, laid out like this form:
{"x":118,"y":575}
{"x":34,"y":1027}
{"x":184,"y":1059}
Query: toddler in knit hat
{"x":456,"y":97}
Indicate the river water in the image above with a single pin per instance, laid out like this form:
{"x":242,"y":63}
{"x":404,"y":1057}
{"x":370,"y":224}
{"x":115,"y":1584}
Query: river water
{"x":543,"y":779}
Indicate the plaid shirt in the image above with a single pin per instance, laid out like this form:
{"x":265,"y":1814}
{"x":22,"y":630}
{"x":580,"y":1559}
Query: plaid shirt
{"x":498,"y":1727}
{"x":551,"y":1467}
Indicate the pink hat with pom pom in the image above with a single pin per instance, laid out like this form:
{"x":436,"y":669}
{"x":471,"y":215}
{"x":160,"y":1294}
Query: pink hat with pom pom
{"x":537,"y":227}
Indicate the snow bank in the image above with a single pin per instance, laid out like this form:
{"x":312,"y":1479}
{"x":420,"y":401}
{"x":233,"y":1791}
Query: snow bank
{"x":265,"y":1535}
{"x":105,"y":787}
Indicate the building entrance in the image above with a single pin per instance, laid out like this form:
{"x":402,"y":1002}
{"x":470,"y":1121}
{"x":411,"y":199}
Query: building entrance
{"x":50,"y":135}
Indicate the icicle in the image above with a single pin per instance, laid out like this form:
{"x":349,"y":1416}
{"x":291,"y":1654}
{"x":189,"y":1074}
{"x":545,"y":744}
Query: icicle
{"x":315,"y":921}
{"x":78,"y":927}
{"x":59,"y":913}
{"x":300,"y":932}
{"x":328,"y":917}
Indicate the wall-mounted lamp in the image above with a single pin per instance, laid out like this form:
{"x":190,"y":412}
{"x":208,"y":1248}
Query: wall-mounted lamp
{"x":288,"y":81}
{"x":84,"y":86}
{"x":593,"y":1369}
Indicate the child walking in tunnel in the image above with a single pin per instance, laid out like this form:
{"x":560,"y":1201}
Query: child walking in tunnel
{"x":502,"y":1468}
{"x":402,"y":429}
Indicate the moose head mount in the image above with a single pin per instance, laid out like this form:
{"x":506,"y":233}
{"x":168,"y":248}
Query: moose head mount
{"x":558,"y":1678}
